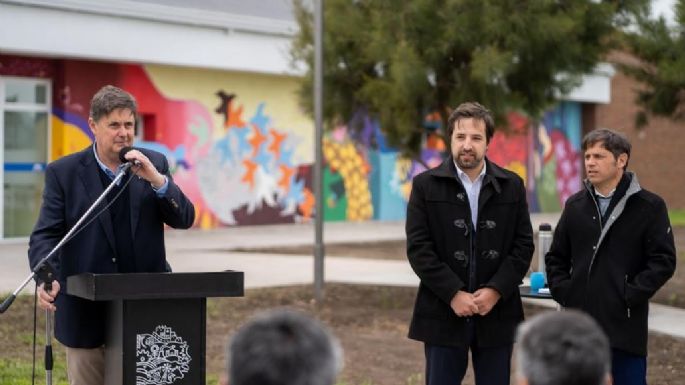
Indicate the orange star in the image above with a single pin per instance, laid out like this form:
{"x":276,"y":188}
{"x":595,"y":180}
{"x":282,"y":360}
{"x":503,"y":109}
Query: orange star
{"x":285,"y":179}
{"x":275,"y":146}
{"x":234,"y":116}
{"x":249,"y":172}
{"x":256,"y":140}
{"x":307,"y":204}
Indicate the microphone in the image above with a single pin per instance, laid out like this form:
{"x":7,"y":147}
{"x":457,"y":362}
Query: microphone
{"x":123,"y":159}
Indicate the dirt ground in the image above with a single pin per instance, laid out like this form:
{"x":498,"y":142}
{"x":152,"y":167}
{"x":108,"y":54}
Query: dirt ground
{"x":370,"y":322}
{"x":672,"y":294}
{"x":377,"y":350}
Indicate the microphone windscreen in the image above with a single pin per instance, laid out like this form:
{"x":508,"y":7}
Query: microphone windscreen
{"x":123,"y":152}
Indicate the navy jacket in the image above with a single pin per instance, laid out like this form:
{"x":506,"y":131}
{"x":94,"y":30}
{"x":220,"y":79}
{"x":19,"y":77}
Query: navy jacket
{"x":449,"y":255}
{"x":72,"y":184}
{"x":611,"y":270}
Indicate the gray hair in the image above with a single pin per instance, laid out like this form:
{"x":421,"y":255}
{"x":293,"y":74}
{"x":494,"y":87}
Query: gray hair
{"x":562,"y":348}
{"x":612,"y":141}
{"x":282,"y":347}
{"x":110,"y":98}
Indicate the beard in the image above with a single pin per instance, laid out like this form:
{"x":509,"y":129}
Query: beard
{"x":468,"y":160}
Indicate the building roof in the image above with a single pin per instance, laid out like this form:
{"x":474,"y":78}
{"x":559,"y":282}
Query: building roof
{"x":252,"y":36}
{"x":270,"y":9}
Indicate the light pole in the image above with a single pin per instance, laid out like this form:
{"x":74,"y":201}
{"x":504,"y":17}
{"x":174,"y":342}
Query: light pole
{"x":318,"y":168}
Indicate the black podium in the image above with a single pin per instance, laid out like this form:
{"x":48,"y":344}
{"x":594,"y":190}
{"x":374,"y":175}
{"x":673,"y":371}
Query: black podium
{"x":156,"y":322}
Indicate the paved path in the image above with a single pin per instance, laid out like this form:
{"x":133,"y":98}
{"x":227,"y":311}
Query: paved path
{"x":196,"y":250}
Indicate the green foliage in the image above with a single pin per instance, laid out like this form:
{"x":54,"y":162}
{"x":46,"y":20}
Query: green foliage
{"x":660,"y":49}
{"x":212,"y":379}
{"x":415,"y":379}
{"x":400,"y":60}
{"x":677,"y":217}
{"x":365,"y":382}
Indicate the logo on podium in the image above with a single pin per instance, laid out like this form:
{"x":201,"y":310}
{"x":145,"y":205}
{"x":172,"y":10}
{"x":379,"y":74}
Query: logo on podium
{"x":161,"y":357}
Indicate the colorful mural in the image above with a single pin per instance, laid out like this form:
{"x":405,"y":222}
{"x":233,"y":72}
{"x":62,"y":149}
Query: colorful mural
{"x":237,"y":167}
{"x":348,"y":183}
{"x":242,"y":150}
{"x":546,"y":155}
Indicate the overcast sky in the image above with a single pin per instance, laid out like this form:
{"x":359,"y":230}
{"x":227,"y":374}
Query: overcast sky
{"x":663,"y":8}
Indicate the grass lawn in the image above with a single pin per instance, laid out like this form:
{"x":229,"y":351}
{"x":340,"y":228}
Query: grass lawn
{"x":677,"y":217}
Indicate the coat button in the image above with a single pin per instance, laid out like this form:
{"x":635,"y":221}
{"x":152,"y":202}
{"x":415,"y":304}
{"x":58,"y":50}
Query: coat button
{"x":594,"y":247}
{"x":114,"y":260}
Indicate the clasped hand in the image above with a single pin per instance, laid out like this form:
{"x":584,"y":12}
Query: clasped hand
{"x":465,"y":304}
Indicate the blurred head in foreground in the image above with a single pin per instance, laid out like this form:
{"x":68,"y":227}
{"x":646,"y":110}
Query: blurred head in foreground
{"x":283,"y":347}
{"x":562,"y":348}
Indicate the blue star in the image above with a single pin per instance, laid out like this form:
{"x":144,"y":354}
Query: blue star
{"x":286,"y":156}
{"x":295,"y":193}
{"x":263,"y":158}
{"x":223,"y":145}
{"x":259,"y":119}
{"x":243,"y":145}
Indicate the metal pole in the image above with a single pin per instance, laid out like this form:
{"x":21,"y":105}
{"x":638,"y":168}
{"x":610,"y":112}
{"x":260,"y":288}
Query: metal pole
{"x":318,"y":165}
{"x":48,"y":341}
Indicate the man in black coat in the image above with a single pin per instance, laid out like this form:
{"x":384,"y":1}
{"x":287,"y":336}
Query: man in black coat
{"x":470,"y":241}
{"x":612,"y":250}
{"x":127,"y":237}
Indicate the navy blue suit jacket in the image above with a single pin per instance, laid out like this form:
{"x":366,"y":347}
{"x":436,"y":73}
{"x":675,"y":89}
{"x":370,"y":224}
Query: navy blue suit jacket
{"x":72,"y":184}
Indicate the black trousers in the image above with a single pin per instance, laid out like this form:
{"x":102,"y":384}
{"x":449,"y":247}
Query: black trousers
{"x":446,"y":365}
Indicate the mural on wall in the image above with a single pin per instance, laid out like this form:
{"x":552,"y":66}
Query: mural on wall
{"x":243,"y":154}
{"x":555,"y":158}
{"x":545,"y":155}
{"x":240,"y":172}
{"x":249,"y":166}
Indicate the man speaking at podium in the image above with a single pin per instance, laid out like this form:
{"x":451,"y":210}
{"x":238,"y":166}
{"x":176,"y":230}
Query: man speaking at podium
{"x":127,"y":237}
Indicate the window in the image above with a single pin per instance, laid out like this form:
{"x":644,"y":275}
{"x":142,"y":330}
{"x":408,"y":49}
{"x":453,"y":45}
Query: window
{"x":25,"y":126}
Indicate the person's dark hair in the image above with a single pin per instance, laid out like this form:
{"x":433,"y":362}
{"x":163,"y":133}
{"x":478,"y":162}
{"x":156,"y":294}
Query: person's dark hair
{"x":472,"y":110}
{"x":612,"y":141}
{"x":110,"y":98}
{"x":283,"y":347}
{"x":562,"y":348}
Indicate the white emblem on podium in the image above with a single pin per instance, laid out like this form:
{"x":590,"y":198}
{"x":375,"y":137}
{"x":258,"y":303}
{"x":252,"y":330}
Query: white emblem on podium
{"x":161,"y":357}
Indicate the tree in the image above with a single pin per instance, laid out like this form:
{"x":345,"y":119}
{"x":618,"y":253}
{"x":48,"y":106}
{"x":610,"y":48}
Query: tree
{"x":660,"y":49}
{"x":400,"y":60}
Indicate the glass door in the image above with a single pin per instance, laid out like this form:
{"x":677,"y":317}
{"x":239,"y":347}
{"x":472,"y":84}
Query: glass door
{"x":24,"y":121}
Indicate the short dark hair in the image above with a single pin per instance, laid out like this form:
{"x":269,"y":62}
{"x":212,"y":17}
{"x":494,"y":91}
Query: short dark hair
{"x":110,"y":98}
{"x":472,"y":110}
{"x":562,"y":348}
{"x":612,"y":141}
{"x":283,"y":347}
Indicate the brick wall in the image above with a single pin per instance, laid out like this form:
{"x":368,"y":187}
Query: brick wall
{"x":656,"y":154}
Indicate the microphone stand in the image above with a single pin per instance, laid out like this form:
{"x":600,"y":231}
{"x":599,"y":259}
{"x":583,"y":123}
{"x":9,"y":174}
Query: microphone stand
{"x":45,"y":272}
{"x":48,"y":340}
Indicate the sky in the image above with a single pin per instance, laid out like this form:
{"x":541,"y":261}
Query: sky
{"x":664,"y":8}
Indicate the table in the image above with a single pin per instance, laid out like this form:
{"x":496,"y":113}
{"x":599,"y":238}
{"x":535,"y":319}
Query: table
{"x":526,"y":293}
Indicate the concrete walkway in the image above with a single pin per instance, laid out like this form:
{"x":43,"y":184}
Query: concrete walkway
{"x":197,"y":251}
